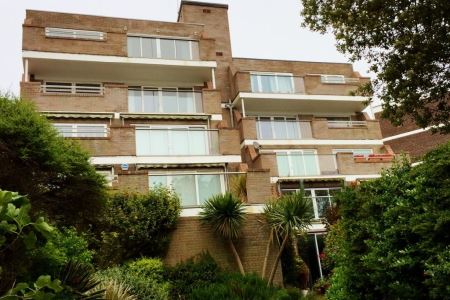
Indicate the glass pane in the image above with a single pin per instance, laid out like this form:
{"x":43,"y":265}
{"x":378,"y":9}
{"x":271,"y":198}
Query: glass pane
{"x":159,"y":142}
{"x":285,"y":84}
{"x":90,"y":131}
{"x":310,"y":163}
{"x":208,"y":186}
{"x":169,"y":100}
{"x":198,"y":102}
{"x":322,"y":206}
{"x":183,"y":50}
{"x":184,"y":186}
{"x":65,"y":130}
{"x":134,"y":101}
{"x":255,"y":85}
{"x":198,"y":142}
{"x":151,"y":101}
{"x":297,"y":164}
{"x":142,"y":142}
{"x":265,"y":128}
{"x":156,"y":180}
{"x":195,"y":52}
{"x":279,"y":126}
{"x":292,"y":129}
{"x":268,"y":83}
{"x":180,"y":142}
{"x":149,"y":48}
{"x":167,"y":49}
{"x":321,"y":192}
{"x":134,"y":47}
{"x":283,"y":164}
{"x":186,"y":102}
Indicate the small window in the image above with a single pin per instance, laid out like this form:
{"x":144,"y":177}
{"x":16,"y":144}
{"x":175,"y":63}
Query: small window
{"x":108,"y":174}
{"x":71,"y":88}
{"x":334,"y":79}
{"x":82,"y":130}
{"x":74,"y":34}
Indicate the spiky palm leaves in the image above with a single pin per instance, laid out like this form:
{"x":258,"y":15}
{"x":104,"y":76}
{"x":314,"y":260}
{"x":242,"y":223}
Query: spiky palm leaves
{"x":225,"y":215}
{"x":287,"y":216}
{"x":78,"y":279}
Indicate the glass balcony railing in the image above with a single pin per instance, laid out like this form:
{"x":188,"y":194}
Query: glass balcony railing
{"x":279,"y":128}
{"x":161,"y":141}
{"x":298,"y":163}
{"x":164,"y":100}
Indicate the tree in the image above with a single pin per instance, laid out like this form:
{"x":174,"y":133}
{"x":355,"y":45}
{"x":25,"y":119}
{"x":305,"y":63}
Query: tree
{"x":287,"y":217}
{"x":407,"y":44}
{"x":226,"y":215}
{"x":55,"y":173}
{"x":392,"y":241}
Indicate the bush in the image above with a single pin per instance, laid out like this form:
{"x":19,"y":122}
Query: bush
{"x":137,"y":225}
{"x":236,"y":286}
{"x":196,"y":272}
{"x":144,"y":277}
{"x":392,"y":240}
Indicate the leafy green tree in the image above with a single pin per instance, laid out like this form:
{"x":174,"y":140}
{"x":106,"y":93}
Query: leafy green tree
{"x":407,"y":44}
{"x":53,"y":172}
{"x":225,"y":214}
{"x":392,"y":241}
{"x":136,"y":225}
{"x":287,"y":217}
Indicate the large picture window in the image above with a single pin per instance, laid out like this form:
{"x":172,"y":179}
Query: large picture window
{"x":281,"y":128}
{"x":149,"y":47}
{"x":193,"y":189}
{"x":297,"y":163}
{"x":164,"y":100}
{"x":272,"y":83}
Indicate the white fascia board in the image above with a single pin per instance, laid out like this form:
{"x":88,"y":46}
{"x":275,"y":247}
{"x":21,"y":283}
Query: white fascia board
{"x":159,"y":160}
{"x":117,"y":59}
{"x":275,"y":179}
{"x":405,"y":134}
{"x":310,"y":142}
{"x":275,"y":96}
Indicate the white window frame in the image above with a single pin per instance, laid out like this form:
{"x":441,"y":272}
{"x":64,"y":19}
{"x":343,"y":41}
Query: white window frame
{"x":177,"y":90}
{"x":332,"y":79}
{"x":158,"y":46}
{"x":272,"y":125}
{"x":195,"y":174}
{"x":77,"y":34}
{"x":259,"y":74}
{"x":75,"y":127}
{"x":170,"y":145}
{"x":73,"y":88}
{"x":288,"y":152}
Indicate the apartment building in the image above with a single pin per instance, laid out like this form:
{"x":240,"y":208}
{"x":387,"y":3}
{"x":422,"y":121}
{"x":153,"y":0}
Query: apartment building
{"x":167,"y":103}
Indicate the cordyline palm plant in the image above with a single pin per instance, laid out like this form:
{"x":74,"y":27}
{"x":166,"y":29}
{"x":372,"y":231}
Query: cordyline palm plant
{"x":225,"y":214}
{"x":287,"y":217}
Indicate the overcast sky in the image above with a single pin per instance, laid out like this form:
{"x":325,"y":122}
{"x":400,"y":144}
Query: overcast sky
{"x":259,"y":29}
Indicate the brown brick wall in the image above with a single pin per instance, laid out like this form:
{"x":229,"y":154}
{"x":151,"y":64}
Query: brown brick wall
{"x":320,"y":130}
{"x":120,"y":142}
{"x":247,"y":128}
{"x":229,"y":141}
{"x":133,"y":182}
{"x":115,"y":99}
{"x":258,"y":186}
{"x":191,"y":238}
{"x":418,"y":144}
{"x":348,"y":166}
{"x":211,"y":101}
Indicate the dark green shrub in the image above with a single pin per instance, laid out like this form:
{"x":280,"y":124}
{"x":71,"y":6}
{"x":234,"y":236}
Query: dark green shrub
{"x":236,"y":286}
{"x":198,"y":271}
{"x":137,"y":225}
{"x":142,"y":276}
{"x":392,"y":240}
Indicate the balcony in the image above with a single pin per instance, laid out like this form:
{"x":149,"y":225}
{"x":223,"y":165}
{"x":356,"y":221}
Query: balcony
{"x":281,"y":93}
{"x":280,"y":128}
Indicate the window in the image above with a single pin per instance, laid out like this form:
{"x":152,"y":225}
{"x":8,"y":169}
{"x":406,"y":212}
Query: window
{"x":297,"y":163}
{"x":175,"y":140}
{"x":334,"y":79}
{"x":108,"y":174}
{"x":364,"y":152}
{"x":344,"y":122}
{"x":71,"y":88}
{"x":281,"y":128}
{"x":149,"y":47}
{"x":272,"y":83}
{"x":82,"y":130}
{"x":74,"y":34}
{"x":164,"y":100}
{"x":193,"y":189}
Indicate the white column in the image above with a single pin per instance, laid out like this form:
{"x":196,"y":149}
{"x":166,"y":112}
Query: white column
{"x":213,"y":75}
{"x":25,"y":71}
{"x":243,"y":107}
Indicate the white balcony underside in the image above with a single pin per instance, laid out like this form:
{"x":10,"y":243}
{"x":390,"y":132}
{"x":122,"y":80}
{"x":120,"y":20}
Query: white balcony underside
{"x":94,"y":68}
{"x":166,"y":160}
{"x":311,"y":142}
{"x":305,"y":104}
{"x":348,"y":178}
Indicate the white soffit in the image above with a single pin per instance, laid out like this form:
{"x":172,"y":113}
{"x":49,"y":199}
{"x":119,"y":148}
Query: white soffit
{"x":311,"y":142}
{"x":165,"y":160}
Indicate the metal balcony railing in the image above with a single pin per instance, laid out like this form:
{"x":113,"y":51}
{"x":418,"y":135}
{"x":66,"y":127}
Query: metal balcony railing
{"x":337,"y":79}
{"x":82,"y":130}
{"x":347,"y":124}
{"x":71,"y":88}
{"x":176,"y":141}
{"x":74,"y":34}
